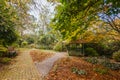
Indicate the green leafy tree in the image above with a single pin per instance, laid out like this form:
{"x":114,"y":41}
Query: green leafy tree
{"x":8,"y":33}
{"x":73,"y":17}
{"x":13,"y":17}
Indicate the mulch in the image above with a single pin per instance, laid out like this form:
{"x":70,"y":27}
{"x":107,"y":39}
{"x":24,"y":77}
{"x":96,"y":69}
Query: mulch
{"x":39,"y":56}
{"x":62,"y":71}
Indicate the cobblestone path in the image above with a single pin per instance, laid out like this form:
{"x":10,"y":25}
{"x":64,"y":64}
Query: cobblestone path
{"x":22,"y":69}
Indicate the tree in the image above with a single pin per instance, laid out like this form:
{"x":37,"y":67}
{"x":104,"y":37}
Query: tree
{"x":73,"y":17}
{"x":8,"y":33}
{"x":24,"y":18}
{"x":11,"y":14}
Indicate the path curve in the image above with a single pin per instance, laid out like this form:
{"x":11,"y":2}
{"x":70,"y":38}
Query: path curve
{"x":45,"y":66}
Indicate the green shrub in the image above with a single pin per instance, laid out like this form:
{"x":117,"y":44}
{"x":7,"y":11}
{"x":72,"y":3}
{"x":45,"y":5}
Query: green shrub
{"x":116,"y":56}
{"x":104,"y":49}
{"x":5,"y":60}
{"x":24,"y":43}
{"x":106,"y":63}
{"x":82,"y":72}
{"x":90,"y":52}
{"x":92,"y":60}
{"x":3,"y":51}
{"x":32,"y":46}
{"x":113,"y":66}
{"x":79,"y":72}
{"x":74,"y":70}
{"x":59,"y":47}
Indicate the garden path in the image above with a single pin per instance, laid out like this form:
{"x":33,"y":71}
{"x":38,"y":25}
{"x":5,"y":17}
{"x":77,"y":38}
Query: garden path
{"x":22,"y":68}
{"x":45,"y":66}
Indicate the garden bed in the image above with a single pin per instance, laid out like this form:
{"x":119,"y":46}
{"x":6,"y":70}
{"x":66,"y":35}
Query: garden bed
{"x":40,"y":55}
{"x":73,"y":68}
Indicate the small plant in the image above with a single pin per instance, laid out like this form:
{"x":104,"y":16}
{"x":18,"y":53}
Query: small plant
{"x":92,"y":60}
{"x":74,"y":70}
{"x":79,"y":72}
{"x":82,"y":72}
{"x":106,"y":63}
{"x":101,"y":70}
{"x":116,"y":56}
{"x":113,"y":66}
{"x":24,"y":43}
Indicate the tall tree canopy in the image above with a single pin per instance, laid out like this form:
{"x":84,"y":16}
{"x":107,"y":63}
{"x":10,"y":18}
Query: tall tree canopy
{"x":73,"y":17}
{"x":10,"y":19}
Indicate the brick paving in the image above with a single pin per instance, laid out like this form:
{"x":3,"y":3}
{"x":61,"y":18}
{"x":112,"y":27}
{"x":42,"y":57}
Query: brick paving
{"x":22,"y":69}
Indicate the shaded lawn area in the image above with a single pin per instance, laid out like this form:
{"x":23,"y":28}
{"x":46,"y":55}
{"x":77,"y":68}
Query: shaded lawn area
{"x":62,"y":70}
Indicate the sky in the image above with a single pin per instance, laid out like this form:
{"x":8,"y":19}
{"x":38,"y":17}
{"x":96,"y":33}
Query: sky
{"x":37,"y":9}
